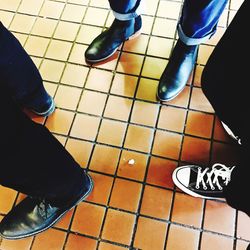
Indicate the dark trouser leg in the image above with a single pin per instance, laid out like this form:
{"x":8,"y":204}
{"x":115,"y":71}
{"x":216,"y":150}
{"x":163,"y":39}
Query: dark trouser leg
{"x":32,"y":160}
{"x":124,"y":7}
{"x":225,"y":84}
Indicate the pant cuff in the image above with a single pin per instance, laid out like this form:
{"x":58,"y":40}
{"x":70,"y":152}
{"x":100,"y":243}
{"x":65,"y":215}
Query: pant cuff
{"x":128,"y":16}
{"x":189,"y":40}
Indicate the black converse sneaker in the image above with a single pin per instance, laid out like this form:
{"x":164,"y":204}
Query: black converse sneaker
{"x":201,"y":182}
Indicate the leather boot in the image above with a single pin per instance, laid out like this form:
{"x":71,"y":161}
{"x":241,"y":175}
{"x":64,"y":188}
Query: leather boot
{"x":107,"y":43}
{"x":32,"y":216}
{"x":177,"y":72}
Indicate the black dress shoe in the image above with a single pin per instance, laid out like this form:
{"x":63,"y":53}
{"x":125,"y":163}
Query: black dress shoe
{"x":107,"y":43}
{"x":32,"y":216}
{"x":177,"y":71}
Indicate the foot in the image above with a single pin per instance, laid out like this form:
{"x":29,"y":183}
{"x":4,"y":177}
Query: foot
{"x":205,"y":183}
{"x":32,"y":216}
{"x":107,"y":43}
{"x":177,"y":71}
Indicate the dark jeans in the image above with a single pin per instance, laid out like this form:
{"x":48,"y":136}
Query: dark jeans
{"x":199,"y":18}
{"x":32,"y":161}
{"x":225,"y":83}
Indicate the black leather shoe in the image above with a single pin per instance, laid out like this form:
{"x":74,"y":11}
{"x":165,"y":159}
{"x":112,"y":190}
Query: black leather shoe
{"x":177,"y":72}
{"x":32,"y":216}
{"x":107,"y":43}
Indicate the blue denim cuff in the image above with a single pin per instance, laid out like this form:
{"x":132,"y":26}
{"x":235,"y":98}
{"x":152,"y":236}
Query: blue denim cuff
{"x":128,"y":16}
{"x":189,"y":40}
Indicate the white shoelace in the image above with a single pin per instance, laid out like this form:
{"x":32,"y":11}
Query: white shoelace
{"x":223,"y":172}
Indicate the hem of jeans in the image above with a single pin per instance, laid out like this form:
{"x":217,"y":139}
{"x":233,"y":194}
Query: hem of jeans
{"x":189,"y":40}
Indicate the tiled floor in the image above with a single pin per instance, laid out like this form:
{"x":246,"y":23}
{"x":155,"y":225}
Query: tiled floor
{"x":108,"y":115}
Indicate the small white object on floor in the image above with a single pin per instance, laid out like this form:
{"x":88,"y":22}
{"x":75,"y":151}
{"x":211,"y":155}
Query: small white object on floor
{"x":131,"y":162}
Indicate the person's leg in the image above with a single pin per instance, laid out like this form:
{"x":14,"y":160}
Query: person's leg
{"x":20,"y":75}
{"x":126,"y":25}
{"x":224,"y":82}
{"x":35,"y":163}
{"x":198,"y":23}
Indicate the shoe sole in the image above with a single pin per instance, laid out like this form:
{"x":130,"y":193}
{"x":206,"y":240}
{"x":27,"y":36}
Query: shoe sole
{"x":57,"y":219}
{"x":136,"y":34}
{"x":47,"y":112}
{"x":186,"y":190}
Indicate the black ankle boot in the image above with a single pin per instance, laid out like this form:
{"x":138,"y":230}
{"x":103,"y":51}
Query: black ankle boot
{"x":107,"y":43}
{"x":177,"y":71}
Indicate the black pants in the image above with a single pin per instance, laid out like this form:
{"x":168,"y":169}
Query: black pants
{"x":225,"y":82}
{"x":32,"y":161}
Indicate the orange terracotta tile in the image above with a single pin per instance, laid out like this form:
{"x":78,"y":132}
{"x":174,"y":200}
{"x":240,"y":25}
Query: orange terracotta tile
{"x":88,"y":219}
{"x":80,"y":150}
{"x":187,"y":210}
{"x":107,"y":246}
{"x":66,"y":31}
{"x":102,"y":188}
{"x":199,"y":124}
{"x":67,"y":97}
{"x":78,"y":11}
{"x":167,"y":144}
{"x":133,"y":170}
{"x":139,"y":138}
{"x":219,"y":217}
{"x":21,"y":244}
{"x":147,"y":90}
{"x":160,"y":172}
{"x":49,"y":239}
{"x":76,"y":242}
{"x":136,"y":45}
{"x":182,"y":238}
{"x":65,"y":221}
{"x":225,"y":153}
{"x":104,"y":159}
{"x":118,"y":108}
{"x":8,"y":196}
{"x":160,"y":25}
{"x":243,"y":226}
{"x":117,"y":219}
{"x":217,"y":241}
{"x":160,"y":47}
{"x":85,"y":127}
{"x":142,"y":108}
{"x":110,"y":63}
{"x":204,"y":53}
{"x":99,"y":80}
{"x":60,"y":121}
{"x":92,"y":102}
{"x":182,"y":100}
{"x":111,"y":132}
{"x":124,"y":85}
{"x":150,"y":234}
{"x":197,"y":75}
{"x":130,"y":63}
{"x":125,"y":195}
{"x":74,"y":75}
{"x":153,"y":67}
{"x":199,"y":101}
{"x":172,"y":118}
{"x":156,"y":202}
{"x":195,"y":150}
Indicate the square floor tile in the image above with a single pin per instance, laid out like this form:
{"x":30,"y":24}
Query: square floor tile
{"x":169,"y":9}
{"x":85,"y":127}
{"x":9,"y":196}
{"x":44,"y":27}
{"x":58,"y":50}
{"x":160,"y":25}
{"x":160,"y":47}
{"x":22,"y":23}
{"x":243,"y":223}
{"x":10,"y":5}
{"x":30,"y":7}
{"x":126,"y":195}
{"x":52,"y":9}
{"x":77,"y":242}
{"x":147,"y":89}
{"x":66,"y":31}
{"x":137,"y":44}
{"x":51,"y":70}
{"x":91,"y":15}
{"x":88,"y":33}
{"x":36,"y":46}
{"x":73,"y":13}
